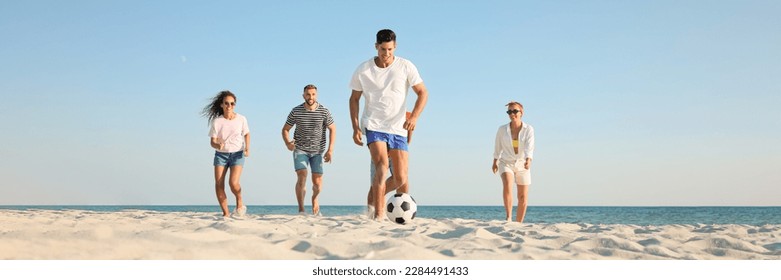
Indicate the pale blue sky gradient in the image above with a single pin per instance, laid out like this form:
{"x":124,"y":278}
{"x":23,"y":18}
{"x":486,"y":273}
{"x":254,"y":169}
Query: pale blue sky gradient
{"x":652,"y":103}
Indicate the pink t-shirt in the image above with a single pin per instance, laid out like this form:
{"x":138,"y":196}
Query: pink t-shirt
{"x":231,"y":132}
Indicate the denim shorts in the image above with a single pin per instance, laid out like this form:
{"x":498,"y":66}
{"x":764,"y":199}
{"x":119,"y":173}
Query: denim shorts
{"x":303,"y":159}
{"x":229,"y":159}
{"x":395,"y":142}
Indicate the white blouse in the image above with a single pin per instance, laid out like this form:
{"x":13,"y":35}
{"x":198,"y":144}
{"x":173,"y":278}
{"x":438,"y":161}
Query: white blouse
{"x":503,"y":148}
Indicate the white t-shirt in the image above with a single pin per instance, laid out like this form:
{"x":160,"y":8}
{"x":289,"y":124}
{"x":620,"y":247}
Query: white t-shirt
{"x":385,"y":91}
{"x":231,"y":132}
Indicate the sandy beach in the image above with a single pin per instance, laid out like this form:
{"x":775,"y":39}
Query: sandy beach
{"x":87,"y":235}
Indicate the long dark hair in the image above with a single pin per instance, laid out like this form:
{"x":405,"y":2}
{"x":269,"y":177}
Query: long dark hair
{"x":214,"y":109}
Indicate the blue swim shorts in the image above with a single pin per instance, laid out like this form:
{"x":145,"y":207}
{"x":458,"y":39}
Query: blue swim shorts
{"x":395,"y":142}
{"x":303,"y":159}
{"x":229,"y":159}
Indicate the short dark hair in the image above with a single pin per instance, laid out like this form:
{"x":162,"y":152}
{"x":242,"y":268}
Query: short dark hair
{"x":310,"y":86}
{"x":385,"y":35}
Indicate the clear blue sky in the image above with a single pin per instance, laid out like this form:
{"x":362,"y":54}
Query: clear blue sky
{"x":633,"y":102}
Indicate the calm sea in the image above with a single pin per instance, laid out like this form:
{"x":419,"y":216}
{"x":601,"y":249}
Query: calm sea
{"x":535,"y":214}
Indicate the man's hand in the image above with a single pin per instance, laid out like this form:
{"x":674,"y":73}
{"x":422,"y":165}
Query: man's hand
{"x":357,"y":135}
{"x":291,"y":145}
{"x":328,"y":155}
{"x":409,"y":124}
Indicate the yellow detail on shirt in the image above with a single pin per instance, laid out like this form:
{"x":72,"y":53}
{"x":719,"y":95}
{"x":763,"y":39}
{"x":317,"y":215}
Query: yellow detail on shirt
{"x":515,"y":143}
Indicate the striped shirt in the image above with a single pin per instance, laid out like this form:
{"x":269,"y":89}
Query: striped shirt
{"x":310,"y":127}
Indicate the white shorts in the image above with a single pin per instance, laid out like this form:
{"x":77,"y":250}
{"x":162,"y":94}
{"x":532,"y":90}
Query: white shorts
{"x":523,"y":176}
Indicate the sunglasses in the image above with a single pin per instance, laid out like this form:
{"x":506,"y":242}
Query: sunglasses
{"x":513,"y":111}
{"x":229,"y":103}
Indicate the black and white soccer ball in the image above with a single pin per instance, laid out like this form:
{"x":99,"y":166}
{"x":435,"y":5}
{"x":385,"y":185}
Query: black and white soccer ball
{"x":401,"y":208}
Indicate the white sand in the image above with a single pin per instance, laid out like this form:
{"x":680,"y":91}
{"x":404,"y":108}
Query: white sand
{"x":75,"y":234}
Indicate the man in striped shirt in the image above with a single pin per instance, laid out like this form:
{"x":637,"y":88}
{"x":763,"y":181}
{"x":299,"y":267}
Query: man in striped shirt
{"x":311,"y":120}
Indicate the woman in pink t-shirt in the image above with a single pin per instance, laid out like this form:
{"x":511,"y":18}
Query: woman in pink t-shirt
{"x":229,"y":135}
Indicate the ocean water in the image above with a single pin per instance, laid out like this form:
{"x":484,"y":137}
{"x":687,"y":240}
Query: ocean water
{"x":535,"y":214}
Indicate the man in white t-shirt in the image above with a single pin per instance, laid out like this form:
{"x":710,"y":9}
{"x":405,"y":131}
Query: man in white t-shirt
{"x":384,"y":82}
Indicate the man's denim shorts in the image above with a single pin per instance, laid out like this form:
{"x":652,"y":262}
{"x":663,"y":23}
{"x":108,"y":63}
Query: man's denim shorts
{"x":303,"y":159}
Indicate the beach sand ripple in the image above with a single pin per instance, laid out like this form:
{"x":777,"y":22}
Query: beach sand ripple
{"x":136,"y":234}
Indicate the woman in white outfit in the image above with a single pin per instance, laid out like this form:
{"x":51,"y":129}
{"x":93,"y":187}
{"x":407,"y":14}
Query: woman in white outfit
{"x":513,"y":152}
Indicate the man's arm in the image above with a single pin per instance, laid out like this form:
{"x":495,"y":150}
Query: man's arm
{"x":285,"y":137}
{"x":420,"y":103}
{"x":409,"y":132}
{"x":355,"y":97}
{"x":331,"y":141}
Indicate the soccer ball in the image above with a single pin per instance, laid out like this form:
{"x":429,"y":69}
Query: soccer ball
{"x":401,"y":208}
